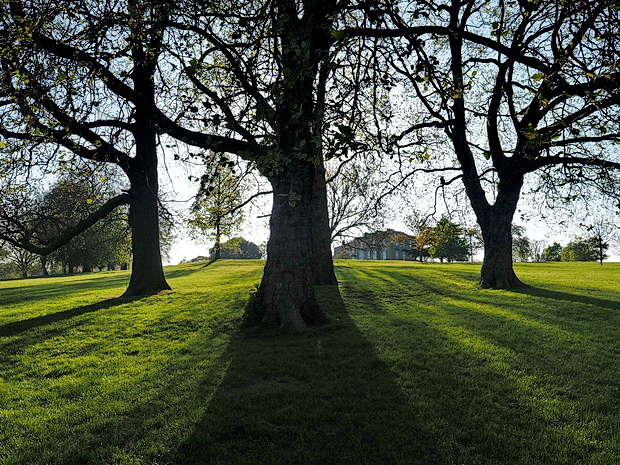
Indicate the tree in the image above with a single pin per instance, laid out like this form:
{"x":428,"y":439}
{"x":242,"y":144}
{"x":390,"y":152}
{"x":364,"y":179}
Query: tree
{"x":19,"y":259}
{"x":539,"y":78}
{"x":418,"y":224}
{"x":521,"y":245}
{"x":40,"y":218}
{"x":354,"y":199}
{"x":580,"y":250}
{"x":56,"y":97}
{"x":537,"y":250}
{"x":553,"y":253}
{"x":601,"y":232}
{"x":474,"y":241}
{"x":267,"y":79}
{"x":238,"y":247}
{"x":423,"y":242}
{"x":217,"y":207}
{"x":448,"y":241}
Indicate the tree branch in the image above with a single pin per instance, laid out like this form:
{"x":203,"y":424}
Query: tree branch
{"x":65,"y":237}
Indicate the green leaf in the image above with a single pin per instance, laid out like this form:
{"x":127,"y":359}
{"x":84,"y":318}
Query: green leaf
{"x":538,"y":76}
{"x":338,"y":35}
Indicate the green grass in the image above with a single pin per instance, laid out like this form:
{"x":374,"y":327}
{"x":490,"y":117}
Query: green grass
{"x":417,"y":366}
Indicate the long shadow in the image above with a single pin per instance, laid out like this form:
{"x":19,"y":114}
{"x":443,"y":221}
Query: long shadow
{"x":188,"y":271}
{"x":209,"y":263}
{"x":19,"y":294}
{"x":358,"y":391}
{"x":17,"y":327}
{"x":325,"y":397}
{"x":480,"y":392}
{"x":529,"y":289}
{"x":565,"y":296}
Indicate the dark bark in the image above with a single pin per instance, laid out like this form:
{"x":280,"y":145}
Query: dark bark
{"x":287,"y":290}
{"x":322,"y":261}
{"x":496,"y":225}
{"x":147,"y":274}
{"x":497,"y":271}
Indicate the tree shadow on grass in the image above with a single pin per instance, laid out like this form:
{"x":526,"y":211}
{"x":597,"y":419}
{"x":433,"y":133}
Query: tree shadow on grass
{"x":262,"y":397}
{"x":45,"y":290}
{"x":373,"y":387}
{"x":16,"y":327}
{"x":209,"y":263}
{"x":490,"y":379}
{"x":324,"y":397}
{"x":568,"y":297}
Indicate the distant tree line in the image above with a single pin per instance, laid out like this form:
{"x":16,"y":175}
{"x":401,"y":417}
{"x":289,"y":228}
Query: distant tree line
{"x":591,"y":248}
{"x":504,"y":90}
{"x":42,"y":216}
{"x":444,"y":240}
{"x":449,"y":241}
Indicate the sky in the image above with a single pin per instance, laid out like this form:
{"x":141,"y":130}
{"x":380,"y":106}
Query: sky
{"x":256,"y":228}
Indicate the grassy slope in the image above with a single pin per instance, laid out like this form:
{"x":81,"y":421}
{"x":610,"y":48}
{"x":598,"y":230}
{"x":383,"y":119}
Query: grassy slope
{"x":418,"y":366}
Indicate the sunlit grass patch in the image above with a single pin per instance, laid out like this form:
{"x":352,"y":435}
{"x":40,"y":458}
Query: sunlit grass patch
{"x":418,"y":365}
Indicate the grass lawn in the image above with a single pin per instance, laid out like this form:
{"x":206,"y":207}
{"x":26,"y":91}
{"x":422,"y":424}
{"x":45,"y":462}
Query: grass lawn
{"x":418,"y":366}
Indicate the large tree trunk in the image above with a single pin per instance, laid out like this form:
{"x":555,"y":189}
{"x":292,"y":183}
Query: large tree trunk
{"x":496,"y":226}
{"x":147,"y":274}
{"x":287,"y":290}
{"x":497,"y":271}
{"x":322,"y":261}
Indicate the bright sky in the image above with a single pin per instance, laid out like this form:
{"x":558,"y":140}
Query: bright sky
{"x":256,"y":228}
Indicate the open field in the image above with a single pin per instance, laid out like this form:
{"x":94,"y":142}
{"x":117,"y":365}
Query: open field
{"x":417,"y":366}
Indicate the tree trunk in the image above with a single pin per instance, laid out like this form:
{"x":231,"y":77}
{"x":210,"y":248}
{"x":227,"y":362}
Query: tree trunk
{"x":218,"y":242}
{"x":147,"y":274}
{"x":63,"y":266}
{"x":44,"y":266}
{"x":287,"y":290}
{"x":322,"y":261}
{"x":497,"y":271}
